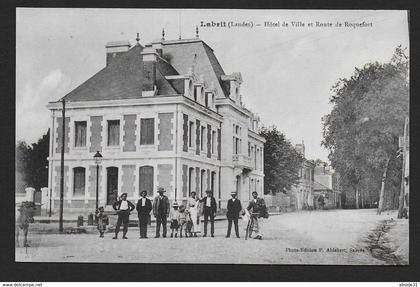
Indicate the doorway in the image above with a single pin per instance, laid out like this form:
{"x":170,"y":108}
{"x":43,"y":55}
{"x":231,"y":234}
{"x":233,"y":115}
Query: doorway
{"x":111,"y":185}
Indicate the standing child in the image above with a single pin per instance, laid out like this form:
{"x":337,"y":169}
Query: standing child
{"x":103,"y":221}
{"x":182,"y":220}
{"x":174,"y":217}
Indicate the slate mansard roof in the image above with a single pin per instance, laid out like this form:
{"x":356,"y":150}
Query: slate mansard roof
{"x":122,"y":78}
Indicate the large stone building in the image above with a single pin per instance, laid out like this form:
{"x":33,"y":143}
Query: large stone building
{"x":164,"y":114}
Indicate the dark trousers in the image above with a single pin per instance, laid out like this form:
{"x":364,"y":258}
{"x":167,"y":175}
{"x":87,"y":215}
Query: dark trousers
{"x":123,"y":218}
{"x":208,"y":214}
{"x":161,"y":219}
{"x":143,"y":225}
{"x":235,"y":221}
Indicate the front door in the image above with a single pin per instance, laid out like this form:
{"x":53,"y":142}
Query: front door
{"x":112,"y":185}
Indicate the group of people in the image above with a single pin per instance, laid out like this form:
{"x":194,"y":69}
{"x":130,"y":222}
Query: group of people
{"x":183,"y":219}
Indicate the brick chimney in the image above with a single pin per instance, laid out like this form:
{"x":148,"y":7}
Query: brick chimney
{"x":150,"y":57}
{"x":116,"y":49}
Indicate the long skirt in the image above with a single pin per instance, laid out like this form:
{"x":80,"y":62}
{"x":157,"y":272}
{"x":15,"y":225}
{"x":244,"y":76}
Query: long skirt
{"x":195,"y":217}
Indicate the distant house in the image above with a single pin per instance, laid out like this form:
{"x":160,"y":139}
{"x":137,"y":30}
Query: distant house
{"x":326,"y":193}
{"x":164,"y":114}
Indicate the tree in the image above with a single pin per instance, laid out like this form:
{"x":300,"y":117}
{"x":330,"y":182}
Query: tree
{"x":32,"y":163}
{"x":362,"y":129}
{"x":281,"y":161}
{"x":21,"y":163}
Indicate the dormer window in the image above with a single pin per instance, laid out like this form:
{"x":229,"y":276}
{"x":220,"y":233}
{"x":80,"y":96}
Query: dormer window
{"x":196,"y":93}
{"x":209,"y":99}
{"x":190,"y":88}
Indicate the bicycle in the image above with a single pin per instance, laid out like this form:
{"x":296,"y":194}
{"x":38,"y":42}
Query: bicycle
{"x":250,"y":224}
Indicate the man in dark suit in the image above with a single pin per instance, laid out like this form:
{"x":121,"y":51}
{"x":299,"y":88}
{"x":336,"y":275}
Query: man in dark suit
{"x":234,"y":207}
{"x":144,"y":206}
{"x":209,"y":210}
{"x":123,"y":208}
{"x":161,"y":211}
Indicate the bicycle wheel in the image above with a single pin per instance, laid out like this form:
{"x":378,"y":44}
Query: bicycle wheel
{"x":251,"y":227}
{"x":247,"y":229}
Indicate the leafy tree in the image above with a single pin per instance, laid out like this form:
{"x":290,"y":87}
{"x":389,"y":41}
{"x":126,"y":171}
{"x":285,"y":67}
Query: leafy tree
{"x":31,"y":163}
{"x":21,"y":163}
{"x":281,"y":161}
{"x":362,"y":129}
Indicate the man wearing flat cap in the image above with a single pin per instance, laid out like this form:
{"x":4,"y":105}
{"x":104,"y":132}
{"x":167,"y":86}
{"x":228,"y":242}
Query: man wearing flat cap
{"x":234,"y":207}
{"x":123,"y":208}
{"x":209,"y":211}
{"x":144,"y":206}
{"x":161,"y":209}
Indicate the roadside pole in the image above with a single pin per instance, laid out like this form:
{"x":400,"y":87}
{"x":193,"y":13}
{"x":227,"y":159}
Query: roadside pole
{"x":60,"y":227}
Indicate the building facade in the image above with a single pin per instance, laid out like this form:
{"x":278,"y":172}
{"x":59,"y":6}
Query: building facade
{"x":304,"y":190}
{"x":162,"y":115}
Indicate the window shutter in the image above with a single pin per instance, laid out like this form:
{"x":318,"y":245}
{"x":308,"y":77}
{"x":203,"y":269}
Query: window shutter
{"x":80,"y":134}
{"x":185,"y":135}
{"x":209,"y":141}
{"x":147,"y":133}
{"x":79,"y":181}
{"x":197,"y":141}
{"x":219,"y":140}
{"x":146,"y":179}
{"x":113,"y":133}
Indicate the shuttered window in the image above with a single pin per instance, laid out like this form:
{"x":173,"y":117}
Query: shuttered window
{"x":114,"y":133}
{"x":191,"y":134}
{"x":147,"y":131}
{"x":203,"y":134}
{"x":146,"y":180}
{"x":79,"y":181}
{"x":80,"y":134}
{"x":213,"y":142}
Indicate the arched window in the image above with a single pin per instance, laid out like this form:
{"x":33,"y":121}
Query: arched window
{"x":79,"y":175}
{"x":190,"y":180}
{"x":206,"y":100}
{"x":195,"y":93}
{"x":146,"y":179}
{"x":202,"y":182}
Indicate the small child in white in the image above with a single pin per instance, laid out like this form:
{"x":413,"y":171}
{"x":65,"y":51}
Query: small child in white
{"x":174,"y":217}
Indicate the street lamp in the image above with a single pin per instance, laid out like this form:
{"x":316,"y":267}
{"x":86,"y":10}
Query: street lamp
{"x":98,"y":158}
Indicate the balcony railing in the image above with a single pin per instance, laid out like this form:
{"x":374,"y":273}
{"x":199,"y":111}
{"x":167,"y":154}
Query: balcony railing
{"x":243,"y":161}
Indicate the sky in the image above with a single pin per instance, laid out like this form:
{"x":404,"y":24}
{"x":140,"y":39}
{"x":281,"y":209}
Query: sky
{"x":287,"y":71}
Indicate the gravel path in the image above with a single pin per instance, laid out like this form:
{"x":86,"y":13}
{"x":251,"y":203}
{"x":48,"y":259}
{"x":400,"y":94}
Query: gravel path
{"x":318,"y":237}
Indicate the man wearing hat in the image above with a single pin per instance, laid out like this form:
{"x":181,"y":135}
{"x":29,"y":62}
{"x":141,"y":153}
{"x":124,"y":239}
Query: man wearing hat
{"x":209,"y":210}
{"x":161,"y":209}
{"x":144,"y":206}
{"x":234,"y":207}
{"x":123,"y":208}
{"x":257,"y":205}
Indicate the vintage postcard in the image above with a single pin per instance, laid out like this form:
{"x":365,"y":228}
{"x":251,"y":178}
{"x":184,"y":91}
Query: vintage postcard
{"x":212,"y":136}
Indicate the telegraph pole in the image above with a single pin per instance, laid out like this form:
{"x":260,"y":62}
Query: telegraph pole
{"x":62,"y":167}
